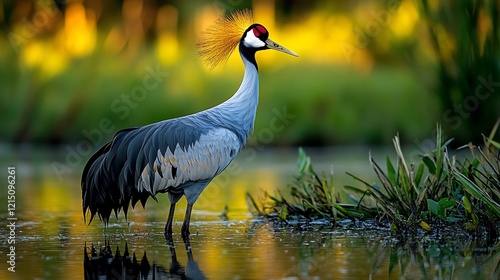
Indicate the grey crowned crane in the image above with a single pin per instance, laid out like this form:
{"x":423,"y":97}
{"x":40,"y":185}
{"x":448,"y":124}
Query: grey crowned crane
{"x":181,"y":156}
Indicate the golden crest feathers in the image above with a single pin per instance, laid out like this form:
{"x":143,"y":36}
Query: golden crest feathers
{"x":220,"y":39}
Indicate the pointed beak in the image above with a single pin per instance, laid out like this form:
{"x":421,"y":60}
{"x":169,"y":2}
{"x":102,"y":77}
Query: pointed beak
{"x":275,"y":46}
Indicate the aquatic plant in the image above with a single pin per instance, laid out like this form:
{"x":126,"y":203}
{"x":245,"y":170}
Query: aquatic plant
{"x":312,"y":196}
{"x":438,"y":190}
{"x":479,"y":177}
{"x":406,"y":191}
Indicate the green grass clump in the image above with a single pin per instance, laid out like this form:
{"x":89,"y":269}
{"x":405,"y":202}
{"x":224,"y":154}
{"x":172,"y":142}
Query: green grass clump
{"x":312,"y":196}
{"x":480,"y":180}
{"x":438,"y":190}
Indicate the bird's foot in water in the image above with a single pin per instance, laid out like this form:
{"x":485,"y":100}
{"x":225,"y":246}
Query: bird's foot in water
{"x":185,"y":233}
{"x":168,"y":233}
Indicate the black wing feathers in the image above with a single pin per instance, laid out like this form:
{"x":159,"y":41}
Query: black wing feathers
{"x":110,"y":176}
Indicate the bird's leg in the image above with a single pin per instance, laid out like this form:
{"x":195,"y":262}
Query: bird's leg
{"x":168,"y":226}
{"x":187,"y":245}
{"x":185,"y":224}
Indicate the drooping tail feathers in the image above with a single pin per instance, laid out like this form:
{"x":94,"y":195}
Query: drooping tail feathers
{"x":109,"y":179}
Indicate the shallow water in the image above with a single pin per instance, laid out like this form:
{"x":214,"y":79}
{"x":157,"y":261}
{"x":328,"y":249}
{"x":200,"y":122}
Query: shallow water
{"x":52,"y":241}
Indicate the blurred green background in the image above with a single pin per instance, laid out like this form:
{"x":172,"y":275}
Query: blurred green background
{"x":75,"y":71}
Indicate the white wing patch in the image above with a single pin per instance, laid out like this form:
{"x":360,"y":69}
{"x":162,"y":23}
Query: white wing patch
{"x":204,"y":159}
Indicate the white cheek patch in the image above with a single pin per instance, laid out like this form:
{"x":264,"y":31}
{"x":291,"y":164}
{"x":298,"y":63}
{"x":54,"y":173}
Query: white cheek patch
{"x":252,"y":42}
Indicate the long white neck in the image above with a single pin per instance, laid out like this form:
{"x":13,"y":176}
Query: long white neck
{"x":249,"y":88}
{"x":240,"y":109}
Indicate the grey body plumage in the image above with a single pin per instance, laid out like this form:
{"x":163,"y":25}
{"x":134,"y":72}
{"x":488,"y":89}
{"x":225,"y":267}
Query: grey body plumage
{"x":179,"y":156}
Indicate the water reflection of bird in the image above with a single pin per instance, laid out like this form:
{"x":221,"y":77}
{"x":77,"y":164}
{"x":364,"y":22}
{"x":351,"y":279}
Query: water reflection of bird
{"x":105,"y":265}
{"x":192,"y":270}
{"x":181,"y":156}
